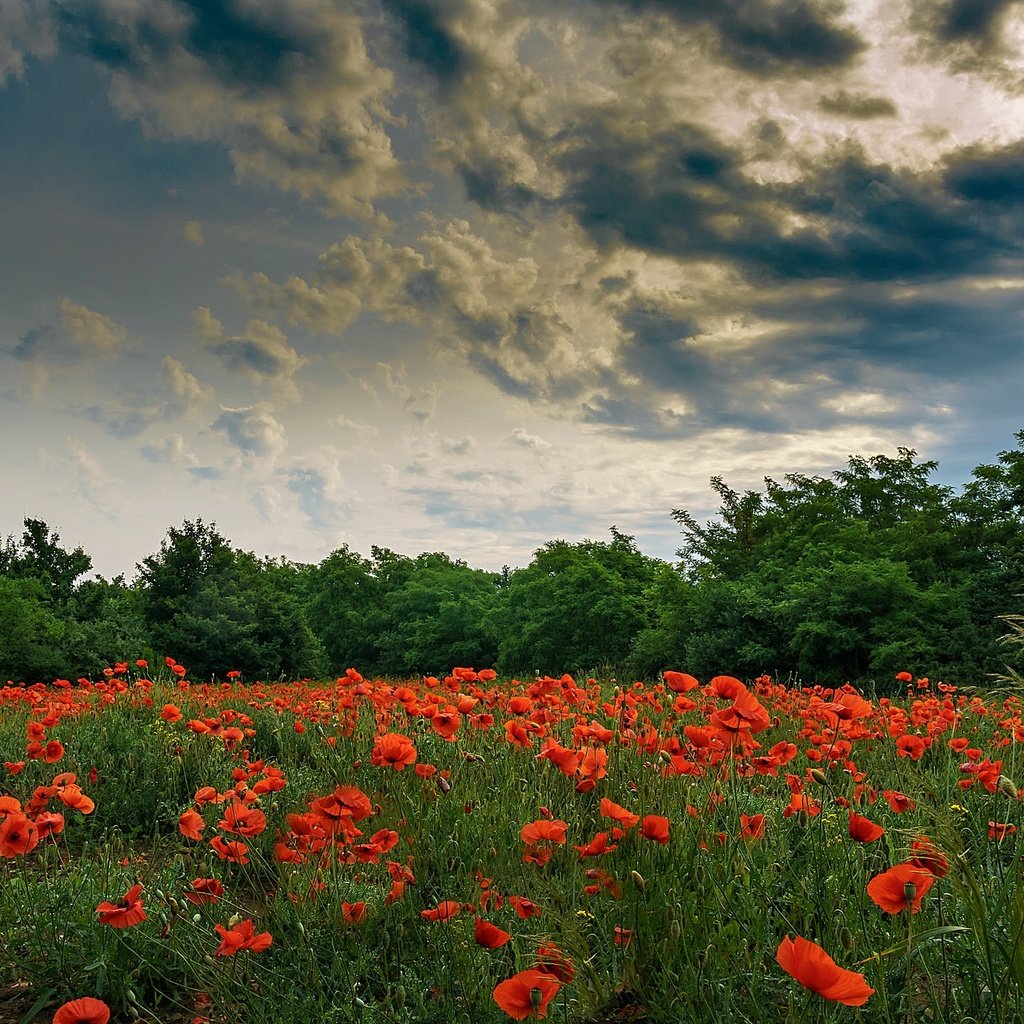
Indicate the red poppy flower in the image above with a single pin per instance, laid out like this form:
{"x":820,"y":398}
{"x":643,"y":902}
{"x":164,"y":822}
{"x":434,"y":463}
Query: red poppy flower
{"x":126,"y":913}
{"x":191,"y":824}
{"x":551,"y":831}
{"x":928,"y":857}
{"x":395,"y":749}
{"x":999,"y":830}
{"x":752,"y":826}
{"x":610,"y":809}
{"x":353,"y":913}
{"x":204,"y":890}
{"x":679,"y":682}
{"x":444,"y":911}
{"x":83,"y":1011}
{"x":900,"y":888}
{"x":526,"y":994}
{"x":524,"y":908}
{"x":489,"y":935}
{"x":551,"y":960}
{"x":231,"y":850}
{"x":241,"y":936}
{"x":815,"y":969}
{"x":18,"y":835}
{"x":242,"y":820}
{"x":864,"y":830}
{"x":655,"y":827}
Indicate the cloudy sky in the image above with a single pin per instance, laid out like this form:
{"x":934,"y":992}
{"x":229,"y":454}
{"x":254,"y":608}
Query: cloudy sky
{"x":469,"y":275}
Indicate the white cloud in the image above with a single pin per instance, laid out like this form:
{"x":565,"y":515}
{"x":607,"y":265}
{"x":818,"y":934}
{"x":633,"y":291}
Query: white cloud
{"x":253,"y":430}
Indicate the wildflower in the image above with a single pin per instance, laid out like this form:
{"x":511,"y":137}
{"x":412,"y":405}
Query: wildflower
{"x":353,"y":913}
{"x":679,"y":682}
{"x":551,"y":960}
{"x":231,"y":850}
{"x":552,"y":831}
{"x":204,"y":890}
{"x":900,"y":888}
{"x":524,"y":908}
{"x":191,"y":824}
{"x":444,"y":911}
{"x":816,"y":970}
{"x":18,"y":835}
{"x":242,"y":820}
{"x":752,"y":826}
{"x":1000,"y":830}
{"x":864,"y":830}
{"x":928,"y":858}
{"x":655,"y":828}
{"x":85,"y":1010}
{"x":126,"y":913}
{"x":489,"y":935}
{"x":610,"y":809}
{"x":526,"y":994}
{"x":395,"y":749}
{"x":241,"y":936}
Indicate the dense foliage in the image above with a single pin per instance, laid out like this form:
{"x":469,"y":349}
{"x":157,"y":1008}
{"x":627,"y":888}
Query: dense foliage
{"x":852,"y":575}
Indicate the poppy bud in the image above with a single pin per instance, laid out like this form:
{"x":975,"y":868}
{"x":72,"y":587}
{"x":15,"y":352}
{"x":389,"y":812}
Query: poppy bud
{"x":197,"y":918}
{"x":909,"y":891}
{"x":674,"y":930}
{"x":133,"y":1013}
{"x":638,"y":880}
{"x":1007,"y":787}
{"x":131,"y":996}
{"x":818,"y":775}
{"x":444,"y":785}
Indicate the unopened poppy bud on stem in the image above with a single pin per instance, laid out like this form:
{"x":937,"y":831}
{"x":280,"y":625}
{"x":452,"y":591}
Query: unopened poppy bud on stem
{"x":819,"y":776}
{"x":638,"y":880}
{"x":1007,"y":787}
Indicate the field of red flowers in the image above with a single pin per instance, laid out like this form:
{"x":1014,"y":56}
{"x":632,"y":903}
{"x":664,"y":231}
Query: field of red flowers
{"x":473,"y":849}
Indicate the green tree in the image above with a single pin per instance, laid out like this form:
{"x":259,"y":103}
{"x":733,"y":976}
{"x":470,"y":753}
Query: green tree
{"x":578,"y":606}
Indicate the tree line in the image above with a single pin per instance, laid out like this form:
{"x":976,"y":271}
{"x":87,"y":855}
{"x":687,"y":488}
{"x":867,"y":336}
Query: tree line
{"x":852,"y":576}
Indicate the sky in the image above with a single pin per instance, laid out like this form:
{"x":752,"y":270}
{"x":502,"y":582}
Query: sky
{"x":472,"y":275}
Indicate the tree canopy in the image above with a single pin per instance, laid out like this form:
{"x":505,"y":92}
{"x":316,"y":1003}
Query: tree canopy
{"x":854,"y":575}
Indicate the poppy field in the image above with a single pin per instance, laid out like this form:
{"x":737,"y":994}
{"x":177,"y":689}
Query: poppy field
{"x":477,"y":849}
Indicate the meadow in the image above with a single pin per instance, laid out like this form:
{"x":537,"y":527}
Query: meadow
{"x":475,"y":849}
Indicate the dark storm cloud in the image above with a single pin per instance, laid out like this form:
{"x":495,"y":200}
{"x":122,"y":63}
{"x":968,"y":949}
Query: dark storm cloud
{"x":988,"y":176}
{"x":240,"y":46}
{"x":491,"y":183}
{"x":428,"y":41}
{"x":975,"y":21}
{"x":857,"y":105}
{"x":680,"y":192}
{"x":968,"y":35}
{"x":765,"y":37}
